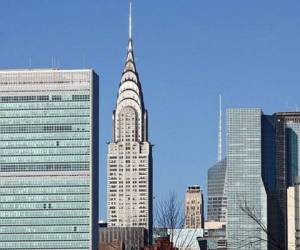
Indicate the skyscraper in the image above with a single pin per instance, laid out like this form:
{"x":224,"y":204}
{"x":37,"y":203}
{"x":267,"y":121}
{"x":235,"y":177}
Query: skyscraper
{"x":281,"y":161}
{"x":216,"y":183}
{"x":245,"y":186}
{"x":130,"y":153}
{"x":49,"y":159}
{"x":194,"y":212}
{"x":261,"y":147}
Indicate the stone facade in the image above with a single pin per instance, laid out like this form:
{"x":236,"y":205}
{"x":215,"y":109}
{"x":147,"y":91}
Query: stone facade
{"x":129,"y":157}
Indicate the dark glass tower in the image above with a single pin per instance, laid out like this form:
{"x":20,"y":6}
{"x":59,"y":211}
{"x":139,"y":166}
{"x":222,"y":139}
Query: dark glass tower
{"x":280,"y":167}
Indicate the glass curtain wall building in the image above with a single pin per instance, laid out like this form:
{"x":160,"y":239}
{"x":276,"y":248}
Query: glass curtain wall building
{"x":48,"y":159}
{"x":293,"y":134}
{"x":245,"y":185}
{"x":281,"y":169}
{"x":216,"y":192}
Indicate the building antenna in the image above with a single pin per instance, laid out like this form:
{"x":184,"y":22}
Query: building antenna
{"x":220,"y":130}
{"x":130,"y":19}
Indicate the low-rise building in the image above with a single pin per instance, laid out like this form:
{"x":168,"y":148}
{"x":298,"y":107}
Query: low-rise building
{"x":162,"y":243}
{"x":214,"y":236}
{"x":134,"y":238}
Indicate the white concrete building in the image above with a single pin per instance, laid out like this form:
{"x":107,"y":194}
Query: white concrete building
{"x":130,"y":154}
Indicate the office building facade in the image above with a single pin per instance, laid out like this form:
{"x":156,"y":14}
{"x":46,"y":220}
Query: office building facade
{"x":245,"y":185}
{"x":49,"y":159}
{"x":216,"y":192}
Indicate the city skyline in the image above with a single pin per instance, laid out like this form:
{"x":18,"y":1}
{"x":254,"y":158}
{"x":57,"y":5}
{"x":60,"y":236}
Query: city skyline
{"x":243,"y":59}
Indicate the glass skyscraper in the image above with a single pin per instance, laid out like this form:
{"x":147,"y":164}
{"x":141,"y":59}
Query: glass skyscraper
{"x":293,"y":134}
{"x":48,"y":159}
{"x":216,"y":192}
{"x":245,"y":185}
{"x":281,"y":169}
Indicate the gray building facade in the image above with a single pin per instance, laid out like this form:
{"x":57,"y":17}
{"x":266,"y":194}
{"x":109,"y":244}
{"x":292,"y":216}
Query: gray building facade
{"x":217,"y":192}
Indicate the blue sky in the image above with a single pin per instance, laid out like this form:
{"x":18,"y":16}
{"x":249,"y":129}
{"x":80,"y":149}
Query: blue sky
{"x":187,"y":52}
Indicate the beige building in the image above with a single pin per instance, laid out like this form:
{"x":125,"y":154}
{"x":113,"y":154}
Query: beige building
{"x":194,"y":217}
{"x":213,"y":225}
{"x":293,"y":213}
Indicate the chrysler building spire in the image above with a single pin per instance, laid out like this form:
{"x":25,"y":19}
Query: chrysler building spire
{"x":130,"y":20}
{"x":130,"y":47}
{"x":130,"y":93}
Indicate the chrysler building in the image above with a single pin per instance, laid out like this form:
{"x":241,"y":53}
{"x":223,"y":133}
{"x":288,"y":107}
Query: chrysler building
{"x":130,"y":153}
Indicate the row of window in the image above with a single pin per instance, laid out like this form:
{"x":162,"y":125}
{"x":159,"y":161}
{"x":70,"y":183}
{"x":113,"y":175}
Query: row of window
{"x":14,"y":99}
{"x":43,"y":229}
{"x":37,"y":128}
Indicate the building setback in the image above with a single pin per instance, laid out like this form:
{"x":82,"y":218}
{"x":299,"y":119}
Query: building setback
{"x":130,"y":154}
{"x":245,"y":185}
{"x":48,"y":159}
{"x":194,"y":204}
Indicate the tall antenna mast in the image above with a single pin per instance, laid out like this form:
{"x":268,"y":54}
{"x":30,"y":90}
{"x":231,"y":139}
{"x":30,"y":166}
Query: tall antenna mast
{"x":220,"y":131}
{"x":130,"y":20}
